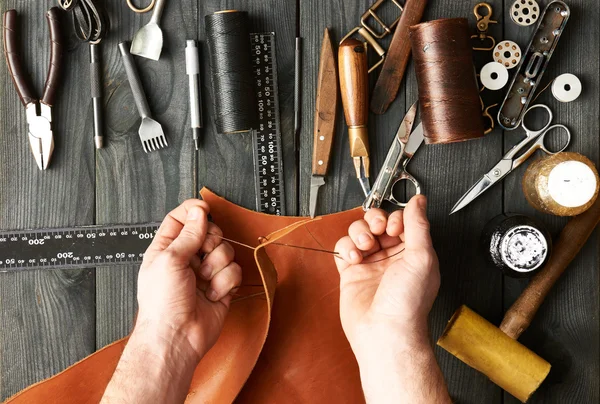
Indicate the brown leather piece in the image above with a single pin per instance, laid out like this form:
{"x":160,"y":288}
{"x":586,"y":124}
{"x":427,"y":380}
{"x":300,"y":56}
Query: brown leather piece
{"x":448,"y":93}
{"x":57,"y":51}
{"x":13,"y":58}
{"x":304,"y":358}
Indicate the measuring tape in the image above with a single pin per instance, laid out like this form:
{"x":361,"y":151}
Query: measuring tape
{"x":268,"y":158}
{"x":75,"y":247}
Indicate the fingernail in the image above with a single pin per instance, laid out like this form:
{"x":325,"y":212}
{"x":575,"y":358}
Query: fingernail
{"x":193,"y":213}
{"x":377,"y":220}
{"x":363,"y":238}
{"x":211,"y":294}
{"x":205,"y":271}
{"x":353,"y":255}
{"x":422,"y":202}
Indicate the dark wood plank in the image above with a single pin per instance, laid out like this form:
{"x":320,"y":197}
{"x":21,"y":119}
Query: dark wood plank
{"x":47,"y":318}
{"x":446,"y":172}
{"x":133,"y":186}
{"x":225,"y":162}
{"x":565,"y":331}
{"x":341,"y":190}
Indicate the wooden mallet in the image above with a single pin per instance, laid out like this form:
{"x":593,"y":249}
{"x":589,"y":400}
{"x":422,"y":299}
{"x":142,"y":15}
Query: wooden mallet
{"x":495,"y":351}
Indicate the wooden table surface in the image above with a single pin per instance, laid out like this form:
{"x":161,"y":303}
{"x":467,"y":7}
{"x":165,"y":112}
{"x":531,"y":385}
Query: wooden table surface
{"x":51,"y":319}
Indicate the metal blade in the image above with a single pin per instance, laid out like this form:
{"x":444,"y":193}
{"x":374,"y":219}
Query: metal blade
{"x":364,"y":183}
{"x":316,"y":182}
{"x":486,"y":182}
{"x":405,"y":127}
{"x":415,"y":140}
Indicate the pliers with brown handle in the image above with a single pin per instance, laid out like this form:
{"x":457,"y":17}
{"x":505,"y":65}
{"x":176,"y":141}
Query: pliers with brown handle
{"x":39,"y":111}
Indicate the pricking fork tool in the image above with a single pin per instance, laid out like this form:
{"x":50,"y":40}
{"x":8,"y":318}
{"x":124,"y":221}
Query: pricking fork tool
{"x":38,"y":111}
{"x":534,"y":139}
{"x":403,"y":147}
{"x":151,"y":132}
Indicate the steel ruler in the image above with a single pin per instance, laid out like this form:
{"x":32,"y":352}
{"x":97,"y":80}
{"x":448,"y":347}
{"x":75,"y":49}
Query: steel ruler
{"x":75,"y":247}
{"x":268,"y":157}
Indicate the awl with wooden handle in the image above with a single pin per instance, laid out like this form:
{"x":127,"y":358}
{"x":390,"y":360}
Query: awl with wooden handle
{"x":354,"y":80}
{"x":494,"y":351}
{"x":325,"y":114}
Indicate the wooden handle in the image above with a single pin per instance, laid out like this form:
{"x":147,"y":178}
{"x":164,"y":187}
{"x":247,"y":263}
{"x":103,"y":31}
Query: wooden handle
{"x":388,"y":82}
{"x":572,"y":238}
{"x":354,"y":81}
{"x":325,"y":107}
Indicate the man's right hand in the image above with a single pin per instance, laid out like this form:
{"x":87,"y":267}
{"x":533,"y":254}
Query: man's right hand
{"x":389,"y":279}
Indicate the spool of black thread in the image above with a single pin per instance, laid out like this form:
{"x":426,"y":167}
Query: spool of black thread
{"x":228,"y":40}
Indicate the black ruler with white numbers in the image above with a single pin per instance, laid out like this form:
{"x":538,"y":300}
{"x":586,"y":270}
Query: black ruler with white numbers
{"x":75,"y":247}
{"x":268,"y":157}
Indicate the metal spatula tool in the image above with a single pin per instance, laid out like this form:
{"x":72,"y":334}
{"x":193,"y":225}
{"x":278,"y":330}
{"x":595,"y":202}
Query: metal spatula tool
{"x":148,"y":41}
{"x":151,"y":132}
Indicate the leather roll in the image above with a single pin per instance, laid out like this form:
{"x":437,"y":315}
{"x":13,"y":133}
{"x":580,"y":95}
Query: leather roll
{"x":448,"y":93}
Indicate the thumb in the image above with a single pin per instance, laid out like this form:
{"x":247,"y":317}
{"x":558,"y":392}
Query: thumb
{"x":416,"y":225}
{"x":190,"y":239}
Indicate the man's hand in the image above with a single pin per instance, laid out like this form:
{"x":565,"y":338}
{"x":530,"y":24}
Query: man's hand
{"x":389,"y":278}
{"x":183,"y":300}
{"x":179,"y":291}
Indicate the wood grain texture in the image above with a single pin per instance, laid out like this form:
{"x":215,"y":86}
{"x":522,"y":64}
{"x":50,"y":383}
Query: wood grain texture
{"x":565,"y":323}
{"x":225,"y":162}
{"x":55,"y":318}
{"x":134,"y":186}
{"x":47,"y":318}
{"x":446,"y":172}
{"x":326,"y":107}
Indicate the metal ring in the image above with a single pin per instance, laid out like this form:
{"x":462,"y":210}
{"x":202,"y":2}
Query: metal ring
{"x":546,"y":126}
{"x":140,"y":10}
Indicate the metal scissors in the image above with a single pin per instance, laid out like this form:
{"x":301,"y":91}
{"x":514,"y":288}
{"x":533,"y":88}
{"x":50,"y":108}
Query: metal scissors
{"x":534,"y":140}
{"x":403,"y":147}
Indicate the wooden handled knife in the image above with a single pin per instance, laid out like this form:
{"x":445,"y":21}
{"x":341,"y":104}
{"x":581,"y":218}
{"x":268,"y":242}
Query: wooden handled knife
{"x":325,"y":114}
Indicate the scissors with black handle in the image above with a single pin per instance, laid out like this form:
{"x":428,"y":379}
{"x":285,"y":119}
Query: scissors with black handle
{"x":405,"y":144}
{"x":534,"y":140}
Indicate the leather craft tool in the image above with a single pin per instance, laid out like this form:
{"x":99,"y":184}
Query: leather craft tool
{"x":483,"y":22}
{"x":38,"y":111}
{"x":404,"y":146}
{"x":192,"y":68}
{"x":448,"y":89}
{"x":525,"y":12}
{"x":495,"y":352}
{"x":91,"y":25}
{"x":396,"y":60}
{"x":325,"y":119}
{"x":564,"y":184}
{"x":354,"y":81}
{"x":75,"y":247}
{"x":517,"y":245}
{"x":371,"y":34}
{"x":268,"y":152}
{"x":151,"y":132}
{"x":133,"y":8}
{"x":148,"y":41}
{"x":535,"y":59}
{"x":534,"y":140}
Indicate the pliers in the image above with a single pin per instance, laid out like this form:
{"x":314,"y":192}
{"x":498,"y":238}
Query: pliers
{"x":38,"y":111}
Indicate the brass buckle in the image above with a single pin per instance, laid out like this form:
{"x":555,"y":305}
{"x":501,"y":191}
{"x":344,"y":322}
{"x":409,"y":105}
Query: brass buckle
{"x":370,"y":35}
{"x":371,"y":13}
{"x":482,"y":26}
